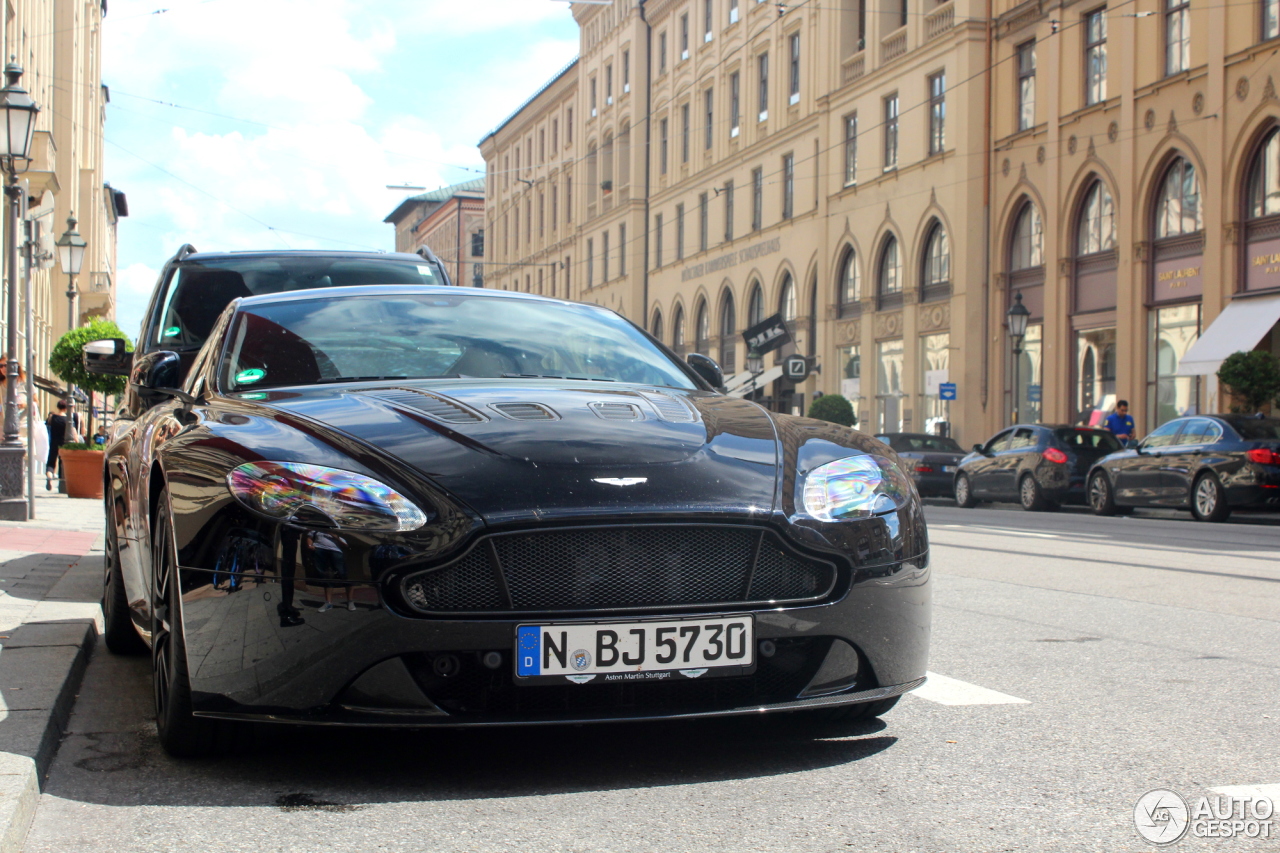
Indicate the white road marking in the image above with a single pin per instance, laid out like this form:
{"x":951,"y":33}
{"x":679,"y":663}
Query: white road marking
{"x":950,"y":691}
{"x":1238,"y":792}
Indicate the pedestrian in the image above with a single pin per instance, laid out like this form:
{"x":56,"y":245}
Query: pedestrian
{"x":1120,"y":424}
{"x":329,"y":564}
{"x":100,"y":437}
{"x":37,"y":445}
{"x":61,"y":431}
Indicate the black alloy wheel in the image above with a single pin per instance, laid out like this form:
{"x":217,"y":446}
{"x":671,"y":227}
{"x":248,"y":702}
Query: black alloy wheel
{"x":964,"y":494}
{"x":1030,"y":495}
{"x":1209,"y":499}
{"x":118,"y":632}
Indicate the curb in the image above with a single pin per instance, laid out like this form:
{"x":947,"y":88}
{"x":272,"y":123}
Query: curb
{"x":41,"y":667}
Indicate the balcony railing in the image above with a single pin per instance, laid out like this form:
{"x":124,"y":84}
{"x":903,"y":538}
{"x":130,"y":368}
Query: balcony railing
{"x":893,"y":45}
{"x":854,"y":67}
{"x":939,"y":21}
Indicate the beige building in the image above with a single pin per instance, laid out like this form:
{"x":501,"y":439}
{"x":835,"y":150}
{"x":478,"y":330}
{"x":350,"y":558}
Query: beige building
{"x":887,"y":176}
{"x":59,"y":46}
{"x":450,"y":222}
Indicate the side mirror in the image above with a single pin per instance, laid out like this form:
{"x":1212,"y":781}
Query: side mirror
{"x":977,"y":448}
{"x":157,"y":375}
{"x":107,"y":358}
{"x":707,"y":368}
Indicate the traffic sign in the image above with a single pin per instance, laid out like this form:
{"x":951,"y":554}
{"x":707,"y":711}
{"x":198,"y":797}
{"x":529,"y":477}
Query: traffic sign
{"x":947,"y":391}
{"x":1033,"y":393}
{"x":795,"y":368}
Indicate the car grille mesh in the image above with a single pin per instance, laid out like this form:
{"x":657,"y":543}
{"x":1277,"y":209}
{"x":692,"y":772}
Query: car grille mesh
{"x":607,"y":568}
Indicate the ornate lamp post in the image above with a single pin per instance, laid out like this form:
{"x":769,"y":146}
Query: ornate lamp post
{"x":18,"y":113}
{"x":71,"y":248}
{"x":1017,"y":317}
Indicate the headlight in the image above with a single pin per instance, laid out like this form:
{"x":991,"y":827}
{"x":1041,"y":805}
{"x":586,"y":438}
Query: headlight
{"x":281,"y":489}
{"x":856,"y":487}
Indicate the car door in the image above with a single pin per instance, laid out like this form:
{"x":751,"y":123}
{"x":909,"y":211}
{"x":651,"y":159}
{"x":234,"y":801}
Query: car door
{"x":1181,"y":462}
{"x":1139,"y":478}
{"x":1017,"y":456}
{"x":982,"y":471}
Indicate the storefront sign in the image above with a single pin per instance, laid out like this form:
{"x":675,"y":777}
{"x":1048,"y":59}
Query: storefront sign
{"x":732,"y":259}
{"x":1178,"y":278}
{"x":1263,"y":268}
{"x":767,"y":335}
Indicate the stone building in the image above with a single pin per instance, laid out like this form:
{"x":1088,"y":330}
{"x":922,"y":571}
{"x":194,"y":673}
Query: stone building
{"x":450,"y":222}
{"x":887,"y":176}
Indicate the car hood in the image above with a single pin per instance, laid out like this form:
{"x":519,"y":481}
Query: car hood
{"x":532,"y":449}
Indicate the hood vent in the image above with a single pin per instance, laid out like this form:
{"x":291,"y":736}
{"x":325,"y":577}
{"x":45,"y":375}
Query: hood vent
{"x":525,"y":411}
{"x":616,"y":411}
{"x":669,"y":408}
{"x":439,"y":407}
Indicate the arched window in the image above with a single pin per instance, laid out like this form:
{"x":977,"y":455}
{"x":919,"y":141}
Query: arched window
{"x":1264,"y":179}
{"x":728,"y":333}
{"x":935,"y":273}
{"x":677,"y":330}
{"x":1178,"y":206}
{"x":850,"y":286}
{"x":889,"y":275}
{"x":1262,"y":216}
{"x":1096,"y":231}
{"x":1026,"y":246}
{"x":702,"y":330}
{"x":787,"y":299}
{"x":656,"y":328}
{"x":755,"y":305}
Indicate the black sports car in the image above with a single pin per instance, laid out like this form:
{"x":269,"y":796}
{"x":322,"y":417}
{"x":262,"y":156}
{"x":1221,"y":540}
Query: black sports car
{"x":929,"y":460}
{"x":432,"y":506}
{"x":1210,"y":464}
{"x":1038,"y":465}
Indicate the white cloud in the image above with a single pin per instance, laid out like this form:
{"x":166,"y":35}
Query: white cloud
{"x":133,"y":288}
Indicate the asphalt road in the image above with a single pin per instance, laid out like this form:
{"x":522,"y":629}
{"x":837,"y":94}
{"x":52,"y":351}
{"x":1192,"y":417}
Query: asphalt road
{"x":1080,"y":663}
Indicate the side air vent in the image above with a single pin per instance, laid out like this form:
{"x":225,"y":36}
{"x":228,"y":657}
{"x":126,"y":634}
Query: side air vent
{"x":525,"y":411}
{"x":616,"y":411}
{"x":437,"y":406}
{"x":669,"y":408}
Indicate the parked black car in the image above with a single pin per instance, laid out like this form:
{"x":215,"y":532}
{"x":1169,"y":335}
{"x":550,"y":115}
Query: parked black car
{"x":194,"y":288}
{"x":930,"y":460}
{"x":1037,"y":465}
{"x":1209,"y":464}
{"x":416,"y":506}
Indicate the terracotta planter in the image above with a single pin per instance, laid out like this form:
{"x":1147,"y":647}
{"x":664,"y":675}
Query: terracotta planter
{"x":83,"y":469}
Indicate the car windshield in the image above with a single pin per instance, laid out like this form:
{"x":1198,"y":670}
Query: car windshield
{"x":1087,"y":439}
{"x":1253,"y":429}
{"x":418,"y":336}
{"x":198,"y":292}
{"x":935,"y":443}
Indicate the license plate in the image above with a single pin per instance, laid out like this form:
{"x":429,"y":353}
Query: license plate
{"x":641,"y":650}
{"x":948,"y":469}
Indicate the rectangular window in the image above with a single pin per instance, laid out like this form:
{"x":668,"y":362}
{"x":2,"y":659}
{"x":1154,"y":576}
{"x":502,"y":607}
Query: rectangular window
{"x":795,"y":69}
{"x":662,"y":52}
{"x":704,"y":216}
{"x":568,"y":197}
{"x":542,"y":215}
{"x":1177,"y":36}
{"x":1173,"y":330}
{"x":937,"y":113}
{"x":850,"y":362}
{"x":626,"y":71}
{"x":733,"y":11}
{"x":657,"y":241}
{"x":735,"y":105}
{"x":935,"y":358}
{"x":591,"y":258}
{"x":889,"y":367}
{"x":684,"y":133}
{"x":706,"y":20}
{"x":622,"y":249}
{"x":1095,"y":57}
{"x":555,"y":210}
{"x":788,"y":185}
{"x":851,"y":150}
{"x":515,"y":226}
{"x":568,"y":127}
{"x":477,"y":244}
{"x":528,"y":221}
{"x":891,"y":132}
{"x":728,"y":212}
{"x":684,"y":36}
{"x":679,"y":232}
{"x":604,"y":257}
{"x":1026,"y":85}
{"x":506,"y":171}
{"x":542,"y":145}
{"x":608,"y":85}
{"x":710,"y":118}
{"x":592,"y":103}
{"x":1270,"y":19}
{"x":757,"y":199}
{"x":762,"y":94}
{"x":662,"y":147}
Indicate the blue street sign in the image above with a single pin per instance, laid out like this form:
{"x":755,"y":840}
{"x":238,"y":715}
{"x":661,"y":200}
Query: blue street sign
{"x":1033,"y":393}
{"x":947,"y":391}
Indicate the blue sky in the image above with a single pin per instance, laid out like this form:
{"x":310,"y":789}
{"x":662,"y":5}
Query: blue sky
{"x":291,"y":117}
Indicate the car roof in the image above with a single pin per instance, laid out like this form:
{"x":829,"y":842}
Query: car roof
{"x":197,"y":257}
{"x":397,"y":290}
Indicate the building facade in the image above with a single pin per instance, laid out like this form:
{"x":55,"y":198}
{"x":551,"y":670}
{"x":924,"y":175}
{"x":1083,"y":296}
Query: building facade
{"x":450,"y":222}
{"x":890,"y":177}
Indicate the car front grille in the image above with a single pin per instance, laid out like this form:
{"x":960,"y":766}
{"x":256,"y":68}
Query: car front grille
{"x":644,"y":567}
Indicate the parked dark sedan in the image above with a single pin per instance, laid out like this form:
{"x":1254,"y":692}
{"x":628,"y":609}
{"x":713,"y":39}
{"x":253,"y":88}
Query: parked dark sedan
{"x":930,"y":460}
{"x":418,"y":506}
{"x":1209,"y":464}
{"x":1037,"y":465}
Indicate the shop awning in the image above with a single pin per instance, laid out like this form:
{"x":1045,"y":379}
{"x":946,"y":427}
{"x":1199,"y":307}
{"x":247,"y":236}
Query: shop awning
{"x":741,"y":386}
{"x":1238,"y":328}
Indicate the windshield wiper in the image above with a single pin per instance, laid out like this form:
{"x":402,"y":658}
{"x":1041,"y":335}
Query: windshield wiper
{"x":556,"y":376}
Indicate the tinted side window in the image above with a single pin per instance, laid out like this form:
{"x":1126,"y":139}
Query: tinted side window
{"x":1163,"y":436}
{"x":1087,"y":439}
{"x":1023,"y":438}
{"x":1000,"y":442}
{"x":1258,"y":428}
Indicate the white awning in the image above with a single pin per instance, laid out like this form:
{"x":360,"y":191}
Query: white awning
{"x":761,"y":381}
{"x":1238,"y":328}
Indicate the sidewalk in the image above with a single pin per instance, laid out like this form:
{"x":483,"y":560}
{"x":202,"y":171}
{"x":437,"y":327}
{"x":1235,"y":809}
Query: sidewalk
{"x":50,"y":586}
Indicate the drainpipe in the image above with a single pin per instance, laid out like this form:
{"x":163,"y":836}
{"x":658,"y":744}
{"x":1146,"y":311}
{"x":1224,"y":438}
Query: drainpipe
{"x":648,"y":135}
{"x":986,"y":221}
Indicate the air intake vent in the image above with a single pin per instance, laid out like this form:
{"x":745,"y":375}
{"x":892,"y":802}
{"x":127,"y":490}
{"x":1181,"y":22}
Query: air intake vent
{"x":438,"y":407}
{"x":525,"y":411}
{"x":669,"y":408}
{"x":617,"y":411}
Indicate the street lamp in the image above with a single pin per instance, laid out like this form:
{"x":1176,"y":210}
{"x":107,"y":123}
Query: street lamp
{"x":19,"y":117}
{"x":1017,"y":317}
{"x":71,"y":248}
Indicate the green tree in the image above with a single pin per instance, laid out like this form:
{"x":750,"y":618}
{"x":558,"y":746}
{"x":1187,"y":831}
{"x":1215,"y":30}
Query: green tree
{"x":67,"y":363}
{"x":1253,"y":377}
{"x":833,"y":408}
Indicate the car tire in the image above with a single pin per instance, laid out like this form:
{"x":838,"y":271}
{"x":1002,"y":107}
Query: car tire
{"x":1102,"y":497}
{"x":182,"y":734}
{"x":118,"y":631}
{"x":1209,"y":499}
{"x":1030,"y":495}
{"x":964,"y":493}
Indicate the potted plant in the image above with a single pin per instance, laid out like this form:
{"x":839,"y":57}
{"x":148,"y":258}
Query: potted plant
{"x":82,"y":464}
